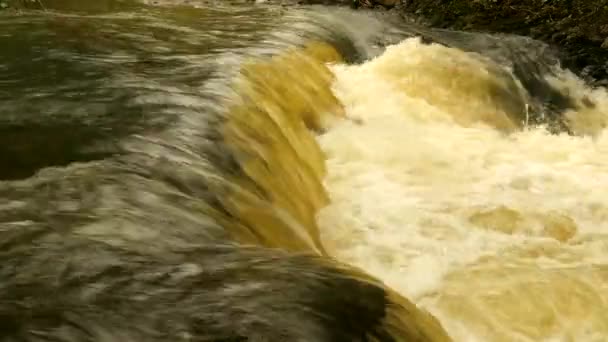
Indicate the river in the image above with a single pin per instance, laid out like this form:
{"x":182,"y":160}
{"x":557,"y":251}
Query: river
{"x":465,"y":171}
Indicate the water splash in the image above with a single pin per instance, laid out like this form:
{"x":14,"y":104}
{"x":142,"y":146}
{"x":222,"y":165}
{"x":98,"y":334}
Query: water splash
{"x":428,"y":174}
{"x":501,"y":236}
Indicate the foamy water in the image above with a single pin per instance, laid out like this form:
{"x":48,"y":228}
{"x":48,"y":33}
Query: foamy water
{"x":503,"y":236}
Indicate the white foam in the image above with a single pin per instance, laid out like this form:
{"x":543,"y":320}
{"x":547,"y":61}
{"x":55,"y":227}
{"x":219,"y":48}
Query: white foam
{"x":511,"y":230}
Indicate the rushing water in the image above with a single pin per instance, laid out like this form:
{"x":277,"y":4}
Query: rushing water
{"x":465,"y":171}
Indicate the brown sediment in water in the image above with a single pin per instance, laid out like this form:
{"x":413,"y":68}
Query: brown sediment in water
{"x":281,"y":103}
{"x":509,"y":221}
{"x":502,"y":107}
{"x":270,"y":127}
{"x":578,"y":27}
{"x":555,"y":296}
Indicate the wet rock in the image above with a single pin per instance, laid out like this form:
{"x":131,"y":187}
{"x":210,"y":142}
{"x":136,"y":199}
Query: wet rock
{"x":377,"y":4}
{"x":578,"y":27}
{"x":387,"y":3}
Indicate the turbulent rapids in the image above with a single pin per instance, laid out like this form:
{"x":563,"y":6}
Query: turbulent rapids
{"x":256,"y":173}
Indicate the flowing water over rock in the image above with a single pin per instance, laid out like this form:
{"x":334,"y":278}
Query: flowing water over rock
{"x":463,"y":171}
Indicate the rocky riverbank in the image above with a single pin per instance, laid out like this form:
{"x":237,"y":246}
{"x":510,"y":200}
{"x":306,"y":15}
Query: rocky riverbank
{"x":578,"y":27}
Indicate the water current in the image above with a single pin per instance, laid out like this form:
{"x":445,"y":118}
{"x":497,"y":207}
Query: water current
{"x":466,"y":171}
